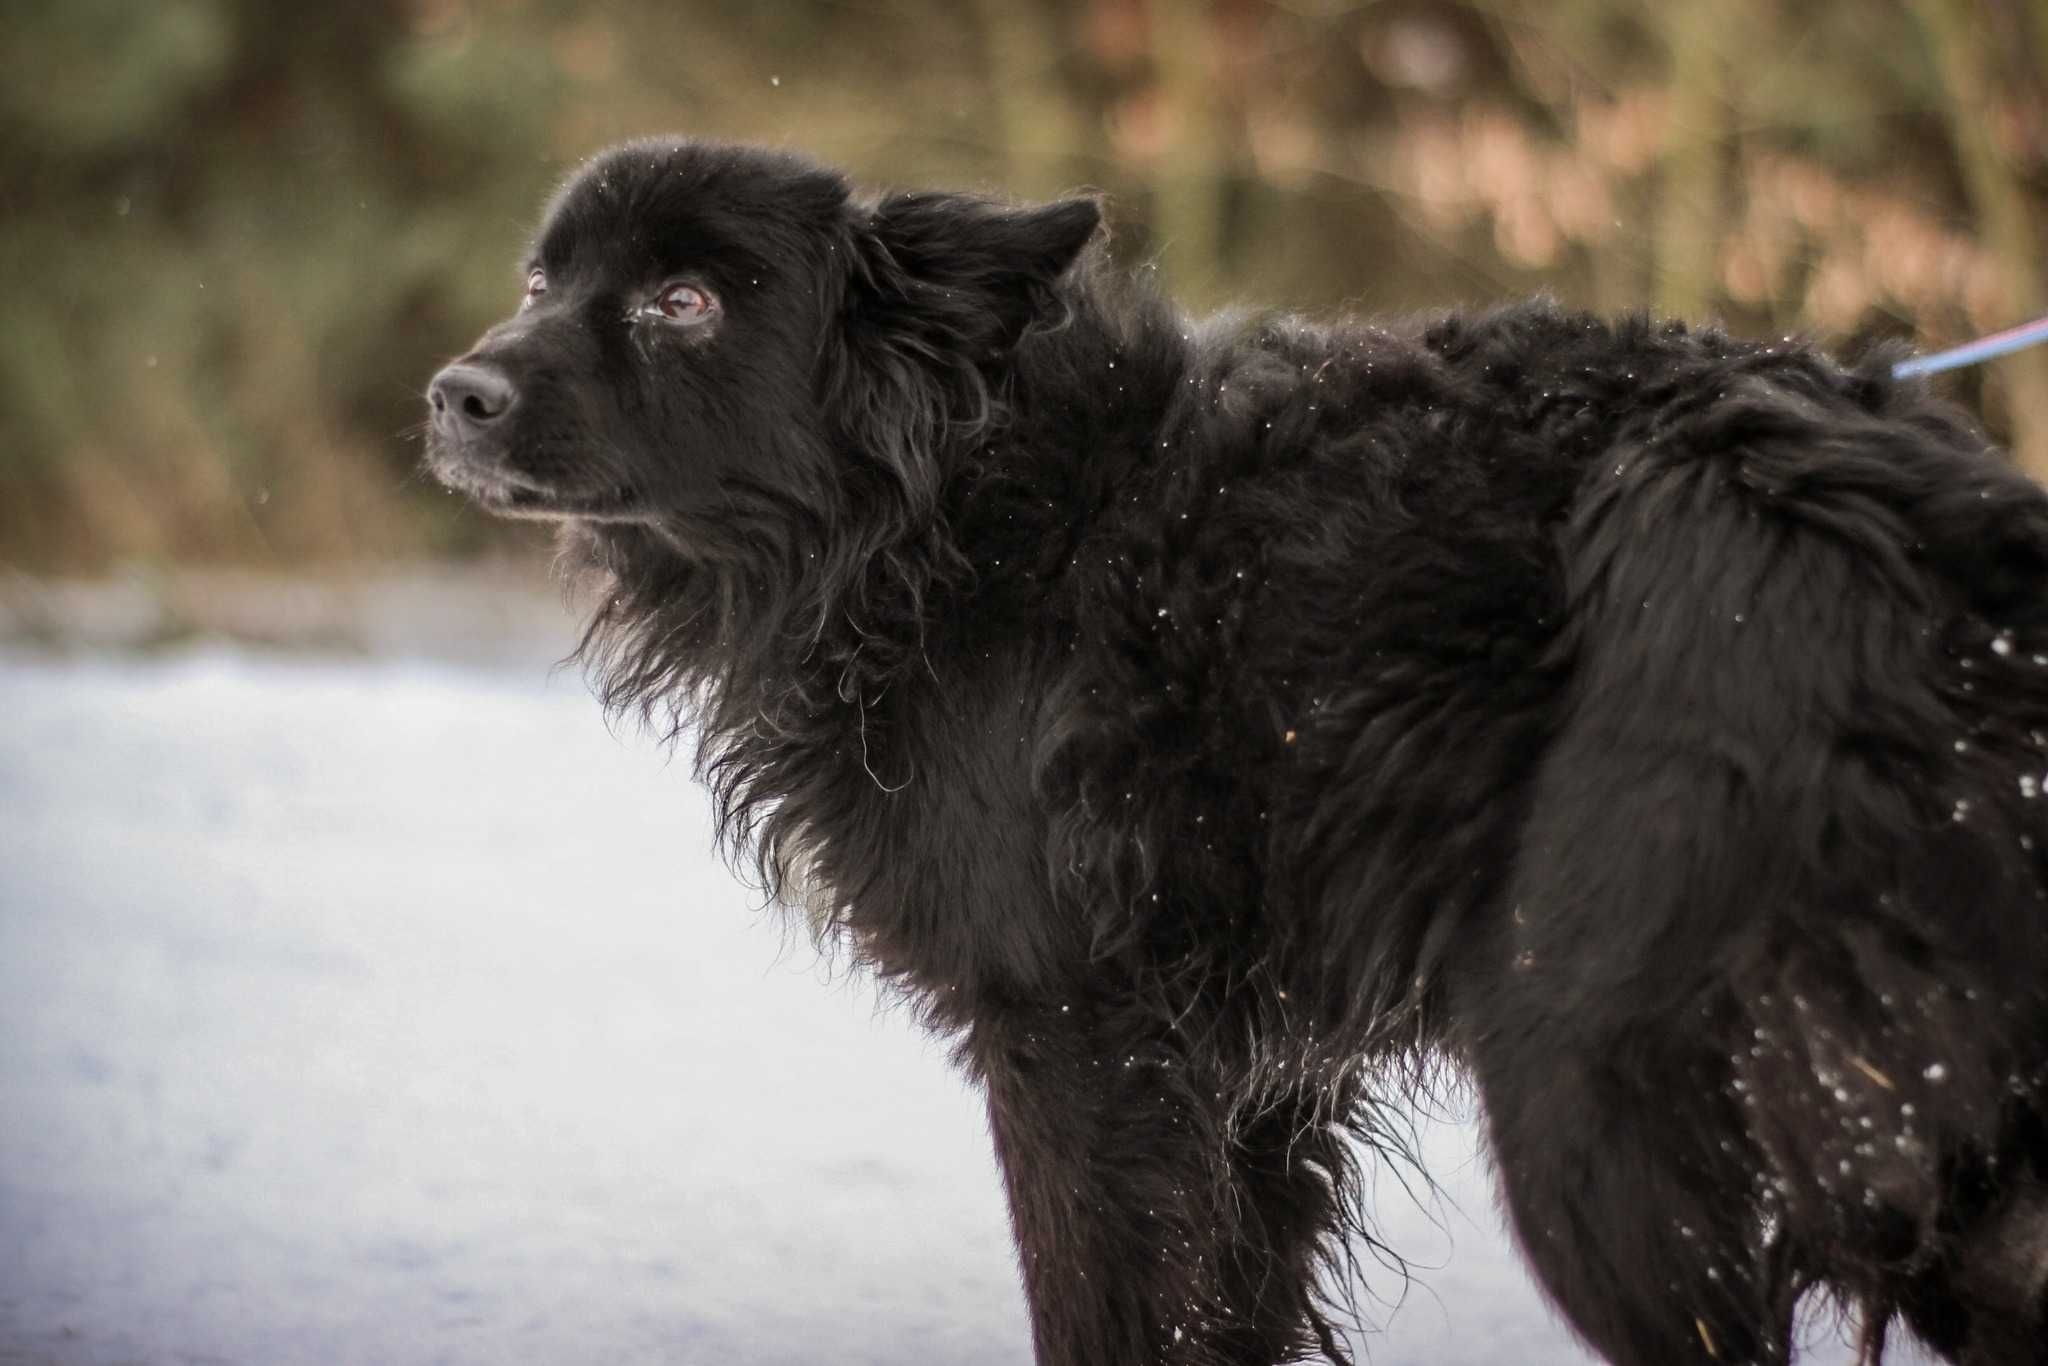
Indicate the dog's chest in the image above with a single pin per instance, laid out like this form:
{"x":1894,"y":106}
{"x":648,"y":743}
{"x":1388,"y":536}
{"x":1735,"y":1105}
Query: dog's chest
{"x":939,"y":860}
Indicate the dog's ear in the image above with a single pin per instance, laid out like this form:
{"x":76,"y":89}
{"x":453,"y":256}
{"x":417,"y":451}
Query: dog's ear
{"x":973,"y":268}
{"x":941,"y":288}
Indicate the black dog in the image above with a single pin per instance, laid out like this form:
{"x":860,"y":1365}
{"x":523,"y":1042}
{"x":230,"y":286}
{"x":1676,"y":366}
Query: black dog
{"x":1211,"y":724}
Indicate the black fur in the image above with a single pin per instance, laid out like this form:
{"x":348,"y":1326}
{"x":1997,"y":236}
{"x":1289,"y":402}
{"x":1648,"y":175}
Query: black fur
{"x":1215,"y":725}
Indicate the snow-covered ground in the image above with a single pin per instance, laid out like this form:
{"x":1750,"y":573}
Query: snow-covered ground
{"x":388,"y":1011}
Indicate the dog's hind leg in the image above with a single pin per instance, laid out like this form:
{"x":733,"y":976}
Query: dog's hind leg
{"x":1801,"y":716}
{"x":1986,"y":1303}
{"x":1984,"y":1300}
{"x":1628,"y":1186}
{"x":1597,"y":1010}
{"x":1884,"y":1085}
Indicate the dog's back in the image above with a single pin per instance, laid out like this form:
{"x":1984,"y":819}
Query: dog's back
{"x":1659,"y":719}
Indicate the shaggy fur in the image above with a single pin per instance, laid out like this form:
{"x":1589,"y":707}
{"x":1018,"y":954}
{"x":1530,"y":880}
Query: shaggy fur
{"x":1214,"y":725}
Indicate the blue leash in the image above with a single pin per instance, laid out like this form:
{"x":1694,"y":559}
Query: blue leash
{"x":1997,"y":344}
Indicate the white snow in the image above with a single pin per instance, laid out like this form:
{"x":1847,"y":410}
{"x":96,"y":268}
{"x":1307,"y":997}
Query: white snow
{"x":392,"y":1012}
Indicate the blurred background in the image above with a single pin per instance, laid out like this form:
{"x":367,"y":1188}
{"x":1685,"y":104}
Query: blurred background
{"x":362,"y":998}
{"x":239,"y":241}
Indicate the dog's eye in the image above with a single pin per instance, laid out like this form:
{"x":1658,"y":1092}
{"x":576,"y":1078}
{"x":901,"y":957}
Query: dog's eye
{"x":684,"y":305}
{"x":536,"y":285}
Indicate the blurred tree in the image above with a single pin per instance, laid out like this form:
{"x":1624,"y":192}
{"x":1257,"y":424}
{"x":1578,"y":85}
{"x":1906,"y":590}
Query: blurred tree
{"x":1037,"y":109}
{"x":1986,"y":113}
{"x":1697,"y":141}
{"x":243,"y":238}
{"x":245,"y":241}
{"x":1190,"y":173}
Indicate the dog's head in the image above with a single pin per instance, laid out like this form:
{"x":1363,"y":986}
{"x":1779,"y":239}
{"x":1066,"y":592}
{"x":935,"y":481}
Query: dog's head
{"x":707,"y":331}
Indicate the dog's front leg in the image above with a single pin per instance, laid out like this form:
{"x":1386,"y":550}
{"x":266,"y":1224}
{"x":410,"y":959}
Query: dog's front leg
{"x":1149,"y":1227}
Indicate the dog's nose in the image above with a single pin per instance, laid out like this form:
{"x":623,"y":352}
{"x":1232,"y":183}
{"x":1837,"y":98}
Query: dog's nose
{"x":467,"y":398}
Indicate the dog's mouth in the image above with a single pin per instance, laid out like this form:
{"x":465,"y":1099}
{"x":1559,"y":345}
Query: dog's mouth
{"x":504,"y":493}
